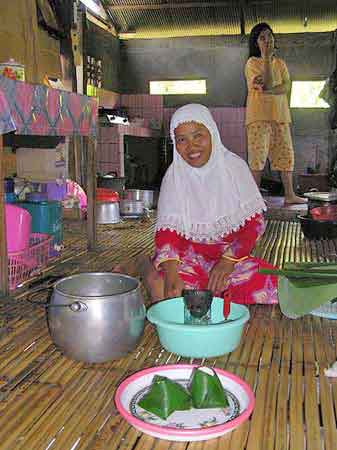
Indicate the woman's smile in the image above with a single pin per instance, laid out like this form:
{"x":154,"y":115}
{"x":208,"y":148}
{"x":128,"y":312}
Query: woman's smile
{"x":194,"y":155}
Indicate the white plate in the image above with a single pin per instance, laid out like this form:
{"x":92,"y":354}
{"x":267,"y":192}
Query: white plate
{"x":191,"y":425}
{"x":322,"y":196}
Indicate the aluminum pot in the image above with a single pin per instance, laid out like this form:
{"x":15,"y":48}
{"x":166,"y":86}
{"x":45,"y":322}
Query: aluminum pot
{"x":107,"y":212}
{"x":132,"y":208}
{"x":149,"y":197}
{"x":96,"y":317}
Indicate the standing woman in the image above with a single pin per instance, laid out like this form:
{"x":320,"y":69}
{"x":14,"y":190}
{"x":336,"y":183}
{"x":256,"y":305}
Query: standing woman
{"x":267,"y":112}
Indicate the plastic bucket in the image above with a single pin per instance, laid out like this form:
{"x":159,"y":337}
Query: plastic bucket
{"x":198,"y":341}
{"x":18,"y":228}
{"x":46,"y":218}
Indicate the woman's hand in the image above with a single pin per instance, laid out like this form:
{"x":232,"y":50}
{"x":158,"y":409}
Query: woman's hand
{"x":267,"y":49}
{"x":220,"y":274}
{"x":173,"y":284}
{"x":258,"y":83}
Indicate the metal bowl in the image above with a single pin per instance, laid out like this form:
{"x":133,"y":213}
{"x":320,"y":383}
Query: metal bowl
{"x":318,"y":229}
{"x":107,"y":212}
{"x":132,"y":208}
{"x":148,"y":197}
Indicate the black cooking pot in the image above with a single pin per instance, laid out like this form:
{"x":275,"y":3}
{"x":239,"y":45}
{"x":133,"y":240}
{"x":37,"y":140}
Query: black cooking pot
{"x":318,"y":229}
{"x":111,"y":181}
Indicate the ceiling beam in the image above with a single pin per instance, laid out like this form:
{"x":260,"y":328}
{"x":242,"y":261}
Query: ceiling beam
{"x":162,"y":6}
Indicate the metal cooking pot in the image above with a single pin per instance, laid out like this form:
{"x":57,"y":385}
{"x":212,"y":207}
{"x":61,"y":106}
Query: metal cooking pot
{"x":111,"y":181}
{"x":96,"y":317}
{"x":149,"y":197}
{"x":107,"y":212}
{"x":132,"y":208}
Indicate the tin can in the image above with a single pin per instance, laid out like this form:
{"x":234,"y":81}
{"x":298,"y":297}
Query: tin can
{"x":12,"y":69}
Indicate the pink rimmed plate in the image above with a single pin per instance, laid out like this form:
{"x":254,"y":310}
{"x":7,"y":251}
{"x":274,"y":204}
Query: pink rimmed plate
{"x":191,"y":425}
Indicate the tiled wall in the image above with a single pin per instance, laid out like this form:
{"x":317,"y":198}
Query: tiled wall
{"x":308,"y":139}
{"x":149,"y":109}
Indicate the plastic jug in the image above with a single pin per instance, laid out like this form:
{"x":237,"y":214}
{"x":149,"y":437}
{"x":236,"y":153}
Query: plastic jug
{"x":18,"y":228}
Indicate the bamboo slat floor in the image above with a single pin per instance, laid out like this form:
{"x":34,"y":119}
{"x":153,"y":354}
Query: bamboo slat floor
{"x":50,"y":402}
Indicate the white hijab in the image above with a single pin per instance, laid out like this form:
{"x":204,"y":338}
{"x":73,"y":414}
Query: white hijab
{"x":206,"y":203}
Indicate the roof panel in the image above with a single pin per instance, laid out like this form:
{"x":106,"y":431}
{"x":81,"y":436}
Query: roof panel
{"x":163,"y":18}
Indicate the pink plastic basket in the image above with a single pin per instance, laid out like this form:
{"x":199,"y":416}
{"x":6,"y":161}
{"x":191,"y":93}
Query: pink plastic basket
{"x":22,"y":264}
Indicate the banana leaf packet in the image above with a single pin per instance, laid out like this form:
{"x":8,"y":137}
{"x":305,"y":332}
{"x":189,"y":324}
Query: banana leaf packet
{"x":206,"y":389}
{"x":165,"y":397}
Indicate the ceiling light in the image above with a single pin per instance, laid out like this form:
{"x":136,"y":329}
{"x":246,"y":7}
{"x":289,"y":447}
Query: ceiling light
{"x":95,"y":7}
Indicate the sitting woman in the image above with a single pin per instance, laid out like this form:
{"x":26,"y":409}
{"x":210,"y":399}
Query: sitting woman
{"x":209,"y":218}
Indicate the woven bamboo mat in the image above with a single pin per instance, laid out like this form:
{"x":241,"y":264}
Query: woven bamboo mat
{"x":50,"y":402}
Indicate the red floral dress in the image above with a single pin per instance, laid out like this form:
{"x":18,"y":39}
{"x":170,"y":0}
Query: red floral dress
{"x":245,"y":284}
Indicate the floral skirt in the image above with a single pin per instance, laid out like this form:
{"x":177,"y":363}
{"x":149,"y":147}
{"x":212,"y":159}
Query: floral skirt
{"x":245,"y":285}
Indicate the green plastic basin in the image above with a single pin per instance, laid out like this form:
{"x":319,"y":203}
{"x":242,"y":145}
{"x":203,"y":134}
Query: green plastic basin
{"x":197,"y":341}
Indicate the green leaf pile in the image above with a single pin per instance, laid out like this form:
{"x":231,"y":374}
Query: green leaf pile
{"x":303,"y":287}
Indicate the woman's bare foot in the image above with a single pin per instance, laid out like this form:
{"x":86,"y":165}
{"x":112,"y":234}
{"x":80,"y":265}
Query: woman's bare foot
{"x":142,"y":267}
{"x":295,"y":201}
{"x":127,"y":268}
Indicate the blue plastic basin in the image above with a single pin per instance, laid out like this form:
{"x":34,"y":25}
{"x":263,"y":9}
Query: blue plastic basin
{"x":197,"y":341}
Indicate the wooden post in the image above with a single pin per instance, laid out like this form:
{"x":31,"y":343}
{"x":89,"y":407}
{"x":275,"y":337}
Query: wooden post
{"x":91,"y":147}
{"x":3,"y":240}
{"x":77,"y":154}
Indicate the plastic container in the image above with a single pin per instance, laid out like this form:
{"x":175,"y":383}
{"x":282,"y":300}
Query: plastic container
{"x":22,"y":264}
{"x":198,"y":341}
{"x":10,"y":197}
{"x":328,"y":212}
{"x":36,"y":196}
{"x":46,"y":218}
{"x":9,"y":185}
{"x":18,"y":228}
{"x":56,"y":191}
{"x":106,"y":195}
{"x":75,"y":190}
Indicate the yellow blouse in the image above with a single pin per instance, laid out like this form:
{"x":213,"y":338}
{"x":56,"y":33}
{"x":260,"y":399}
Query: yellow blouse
{"x":269,"y":107}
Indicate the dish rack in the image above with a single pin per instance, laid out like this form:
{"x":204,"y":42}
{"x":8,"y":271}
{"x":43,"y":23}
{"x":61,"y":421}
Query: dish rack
{"x":21,"y":265}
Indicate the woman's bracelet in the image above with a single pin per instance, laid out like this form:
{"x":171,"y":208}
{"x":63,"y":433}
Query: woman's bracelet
{"x":234,"y":259}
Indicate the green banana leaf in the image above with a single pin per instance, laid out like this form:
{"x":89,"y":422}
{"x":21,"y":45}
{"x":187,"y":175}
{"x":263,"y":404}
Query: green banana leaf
{"x":297,"y":299}
{"x":309,"y":265}
{"x":164,"y":397}
{"x":303,"y":287}
{"x":207,"y":390}
{"x":314,"y":273}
